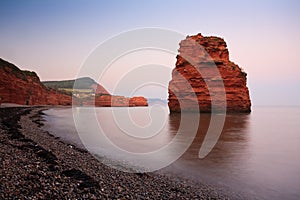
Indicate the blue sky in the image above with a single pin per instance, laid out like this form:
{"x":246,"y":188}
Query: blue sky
{"x":54,"y":38}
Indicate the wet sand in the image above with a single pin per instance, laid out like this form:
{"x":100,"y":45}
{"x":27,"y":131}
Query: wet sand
{"x":36,"y":165}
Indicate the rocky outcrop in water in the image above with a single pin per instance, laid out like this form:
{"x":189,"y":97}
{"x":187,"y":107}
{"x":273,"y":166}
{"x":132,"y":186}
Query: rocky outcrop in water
{"x":205,"y":80}
{"x":24,"y":87}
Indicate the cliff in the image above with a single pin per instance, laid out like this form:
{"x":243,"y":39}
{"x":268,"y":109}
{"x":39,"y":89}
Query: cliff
{"x":119,"y":101}
{"x":24,"y":87}
{"x":204,"y":74}
{"x":114,"y":101}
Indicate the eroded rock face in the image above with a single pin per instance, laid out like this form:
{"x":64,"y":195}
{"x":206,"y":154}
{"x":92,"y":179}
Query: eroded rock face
{"x":119,"y":101}
{"x":25,"y":88}
{"x":138,"y":101}
{"x":111,"y":101}
{"x":115,"y":101}
{"x":205,"y":80}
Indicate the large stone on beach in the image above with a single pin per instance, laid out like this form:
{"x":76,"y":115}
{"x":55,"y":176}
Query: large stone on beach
{"x":204,"y":78}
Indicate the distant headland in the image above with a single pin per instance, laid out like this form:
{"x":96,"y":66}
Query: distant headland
{"x":25,"y":88}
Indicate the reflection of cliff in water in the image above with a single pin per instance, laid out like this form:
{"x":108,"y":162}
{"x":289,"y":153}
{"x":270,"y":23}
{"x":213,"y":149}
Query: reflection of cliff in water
{"x":227,"y":155}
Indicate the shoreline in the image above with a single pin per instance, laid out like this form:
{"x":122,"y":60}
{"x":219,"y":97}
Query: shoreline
{"x":35,"y":164}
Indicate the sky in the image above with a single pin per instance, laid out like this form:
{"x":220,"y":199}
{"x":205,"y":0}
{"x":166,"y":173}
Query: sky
{"x":54,"y":38}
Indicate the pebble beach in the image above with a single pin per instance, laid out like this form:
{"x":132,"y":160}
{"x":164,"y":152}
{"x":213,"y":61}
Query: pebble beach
{"x":36,"y":165}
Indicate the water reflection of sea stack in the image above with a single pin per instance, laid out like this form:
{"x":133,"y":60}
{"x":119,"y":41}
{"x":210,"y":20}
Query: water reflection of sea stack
{"x":234,"y":132}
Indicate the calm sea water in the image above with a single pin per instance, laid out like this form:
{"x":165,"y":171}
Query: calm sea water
{"x":257,"y":154}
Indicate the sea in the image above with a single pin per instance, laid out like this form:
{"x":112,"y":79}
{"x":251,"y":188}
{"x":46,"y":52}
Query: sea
{"x":256,"y":155}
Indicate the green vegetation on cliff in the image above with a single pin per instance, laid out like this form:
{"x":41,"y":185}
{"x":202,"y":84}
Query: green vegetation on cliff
{"x":81,"y":83}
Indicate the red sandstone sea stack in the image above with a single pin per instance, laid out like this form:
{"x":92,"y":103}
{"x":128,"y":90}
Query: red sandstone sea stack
{"x":205,"y":80}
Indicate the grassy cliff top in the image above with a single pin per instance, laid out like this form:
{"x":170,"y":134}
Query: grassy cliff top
{"x":81,"y":83}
